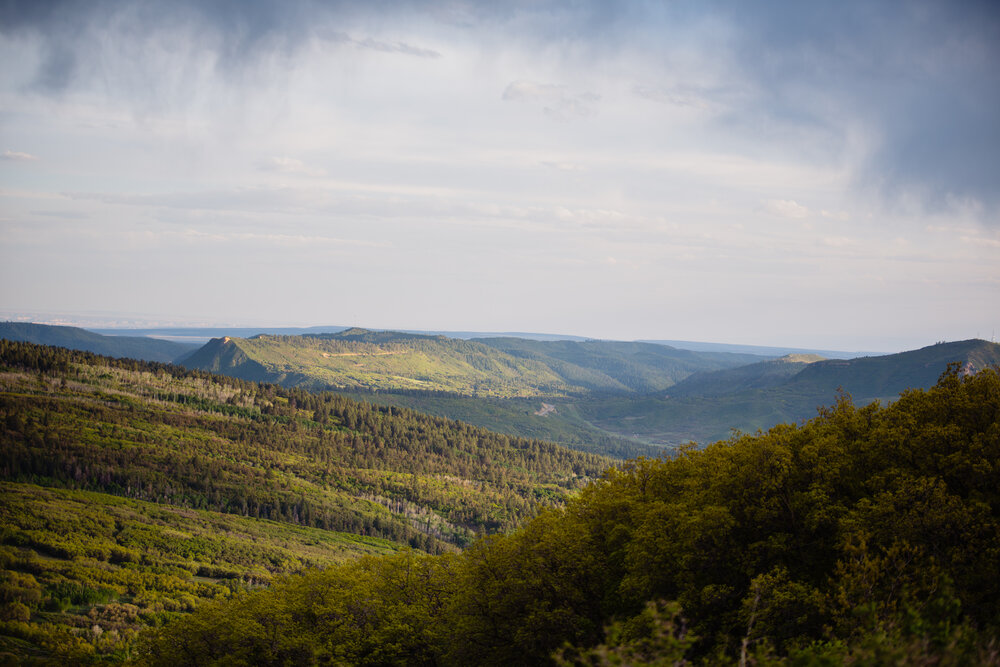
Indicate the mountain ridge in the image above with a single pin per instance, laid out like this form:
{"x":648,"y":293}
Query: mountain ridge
{"x":75,"y":338}
{"x":681,"y":414}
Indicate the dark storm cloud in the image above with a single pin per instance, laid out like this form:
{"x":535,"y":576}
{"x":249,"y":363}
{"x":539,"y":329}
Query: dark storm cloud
{"x":922,"y":77}
{"x":917,"y":80}
{"x":238,"y":32}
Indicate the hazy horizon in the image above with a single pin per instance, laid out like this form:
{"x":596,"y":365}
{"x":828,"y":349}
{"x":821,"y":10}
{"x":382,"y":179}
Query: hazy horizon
{"x":106,"y":322}
{"x":811,"y":175}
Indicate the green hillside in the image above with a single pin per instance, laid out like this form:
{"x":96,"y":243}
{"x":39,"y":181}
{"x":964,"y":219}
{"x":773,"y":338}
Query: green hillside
{"x":752,"y":376}
{"x":545,"y":418}
{"x":82,"y":572}
{"x":615,"y":398}
{"x":359,"y":359}
{"x":615,"y":366}
{"x":502,"y":384}
{"x":866,"y":536}
{"x":489,"y":367}
{"x":868,"y":378}
{"x":708,"y":406}
{"x":133,"y":347}
{"x":133,"y":490}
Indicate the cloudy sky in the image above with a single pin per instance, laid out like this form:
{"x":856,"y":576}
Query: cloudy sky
{"x":821,"y":174}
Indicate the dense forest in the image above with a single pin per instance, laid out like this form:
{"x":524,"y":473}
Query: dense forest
{"x":868,"y":535}
{"x":147,"y":489}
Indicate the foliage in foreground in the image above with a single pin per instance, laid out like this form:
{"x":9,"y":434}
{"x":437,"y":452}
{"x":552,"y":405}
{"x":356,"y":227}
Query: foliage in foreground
{"x":865,"y":536}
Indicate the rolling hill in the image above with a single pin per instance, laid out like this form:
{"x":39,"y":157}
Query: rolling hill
{"x":706,"y":407}
{"x":616,"y":398}
{"x":616,"y":366}
{"x":503,"y":384}
{"x":361,"y":359}
{"x":489,"y":367}
{"x":865,"y":536}
{"x":73,"y":338}
{"x":752,"y":376}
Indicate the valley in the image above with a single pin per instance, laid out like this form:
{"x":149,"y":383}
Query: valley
{"x":134,"y":491}
{"x":616,"y":398}
{"x":621,"y":399}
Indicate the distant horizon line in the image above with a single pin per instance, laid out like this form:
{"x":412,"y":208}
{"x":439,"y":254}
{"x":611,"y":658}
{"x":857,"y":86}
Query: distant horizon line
{"x":117,"y":322}
{"x":107,"y":323}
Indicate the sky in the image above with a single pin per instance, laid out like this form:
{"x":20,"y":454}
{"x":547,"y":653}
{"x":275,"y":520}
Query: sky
{"x":821,"y":174}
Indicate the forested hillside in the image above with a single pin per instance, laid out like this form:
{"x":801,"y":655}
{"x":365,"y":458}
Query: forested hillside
{"x":706,"y":406}
{"x":868,"y":536}
{"x":616,"y":398}
{"x":618,"y":366}
{"x":74,"y":338}
{"x":503,"y":384}
{"x":134,"y":490}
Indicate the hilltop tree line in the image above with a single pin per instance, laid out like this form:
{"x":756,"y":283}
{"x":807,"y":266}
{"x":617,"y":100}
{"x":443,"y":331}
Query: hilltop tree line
{"x":866,"y":536}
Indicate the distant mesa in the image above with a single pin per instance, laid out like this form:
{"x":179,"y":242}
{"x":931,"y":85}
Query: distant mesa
{"x":485,"y":367}
{"x":802,"y":358}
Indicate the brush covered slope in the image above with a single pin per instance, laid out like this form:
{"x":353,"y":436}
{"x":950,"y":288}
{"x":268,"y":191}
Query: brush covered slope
{"x":864,"y":536}
{"x":489,"y":367}
{"x":74,"y":338}
{"x":134,"y":491}
{"x":361,"y":359}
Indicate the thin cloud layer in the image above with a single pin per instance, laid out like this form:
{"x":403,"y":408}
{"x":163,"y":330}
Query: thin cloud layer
{"x":17,"y":156}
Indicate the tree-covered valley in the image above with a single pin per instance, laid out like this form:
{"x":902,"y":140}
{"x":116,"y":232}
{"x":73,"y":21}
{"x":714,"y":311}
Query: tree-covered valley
{"x":146,"y":488}
{"x":621,"y":399}
{"x":155,"y":514}
{"x":617,"y":398}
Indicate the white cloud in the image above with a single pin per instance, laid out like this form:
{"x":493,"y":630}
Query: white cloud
{"x":397,"y":47}
{"x":980,"y":241}
{"x":839,"y":242}
{"x":526,"y":90}
{"x":288,"y":165}
{"x":785,"y":208}
{"x":562,"y":166}
{"x":431,"y":136}
{"x":16,"y":156}
{"x":679,"y":96}
{"x":558,"y":102}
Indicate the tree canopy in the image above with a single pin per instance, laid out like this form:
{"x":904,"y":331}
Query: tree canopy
{"x":866,"y":535}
